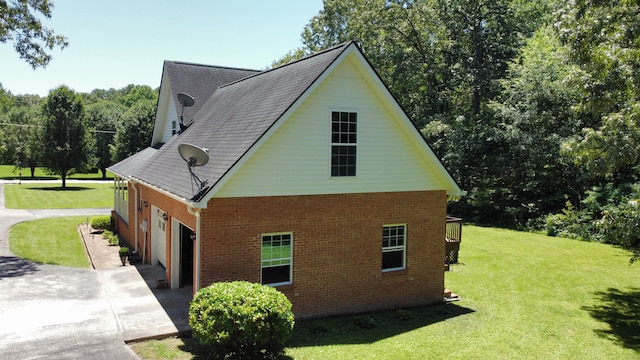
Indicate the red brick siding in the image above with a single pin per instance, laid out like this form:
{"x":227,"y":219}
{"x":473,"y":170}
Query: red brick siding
{"x":337,"y":248}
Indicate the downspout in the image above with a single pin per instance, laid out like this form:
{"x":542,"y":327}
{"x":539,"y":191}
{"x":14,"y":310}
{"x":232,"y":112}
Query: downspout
{"x":196,"y":212}
{"x":136,"y":209}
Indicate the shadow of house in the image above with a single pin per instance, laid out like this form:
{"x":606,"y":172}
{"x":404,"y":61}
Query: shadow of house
{"x":621,"y":310}
{"x":369,"y":328}
{"x":13,"y":266}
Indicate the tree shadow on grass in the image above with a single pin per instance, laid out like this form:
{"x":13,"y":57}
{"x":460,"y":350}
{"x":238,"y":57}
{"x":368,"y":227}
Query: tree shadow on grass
{"x":58,"y":188}
{"x":621,"y":310}
{"x":369,"y":328}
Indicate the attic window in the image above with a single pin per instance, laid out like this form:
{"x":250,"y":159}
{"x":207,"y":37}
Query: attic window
{"x":344,"y":126}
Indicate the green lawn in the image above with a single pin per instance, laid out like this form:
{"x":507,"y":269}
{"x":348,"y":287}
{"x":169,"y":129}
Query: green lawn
{"x":53,"y":241}
{"x":52,"y":196}
{"x":524,"y":296}
{"x":10,"y":172}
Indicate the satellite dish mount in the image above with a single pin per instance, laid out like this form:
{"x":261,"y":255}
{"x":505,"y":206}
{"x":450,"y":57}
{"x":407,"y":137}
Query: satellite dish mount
{"x":185,"y":100}
{"x":194,"y":156}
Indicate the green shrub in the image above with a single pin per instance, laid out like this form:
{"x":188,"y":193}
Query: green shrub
{"x":101,"y":222}
{"x":123,"y":252}
{"x":107,"y":234}
{"x":241,"y":319}
{"x":114,"y":239}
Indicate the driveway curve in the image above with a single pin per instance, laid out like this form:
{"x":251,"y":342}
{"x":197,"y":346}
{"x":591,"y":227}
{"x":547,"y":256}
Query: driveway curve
{"x":55,"y":312}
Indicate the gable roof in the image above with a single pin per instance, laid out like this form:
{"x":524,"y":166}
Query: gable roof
{"x":199,"y":81}
{"x":236,"y":116}
{"x":229,"y":123}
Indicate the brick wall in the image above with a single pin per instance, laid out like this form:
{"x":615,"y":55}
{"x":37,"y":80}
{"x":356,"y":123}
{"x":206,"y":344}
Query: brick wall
{"x":337,"y":248}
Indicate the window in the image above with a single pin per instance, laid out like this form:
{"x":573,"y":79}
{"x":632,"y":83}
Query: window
{"x":344,"y":126}
{"x":394,"y":243}
{"x":276,"y":258}
{"x":121,"y":197}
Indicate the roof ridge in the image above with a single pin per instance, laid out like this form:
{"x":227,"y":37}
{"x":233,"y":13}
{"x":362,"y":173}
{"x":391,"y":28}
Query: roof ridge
{"x":211,"y":66}
{"x":310,"y":56}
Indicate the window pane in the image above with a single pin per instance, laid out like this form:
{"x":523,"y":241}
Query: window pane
{"x":392,"y":259}
{"x":276,"y":274}
{"x":276,"y":258}
{"x":393,"y":246}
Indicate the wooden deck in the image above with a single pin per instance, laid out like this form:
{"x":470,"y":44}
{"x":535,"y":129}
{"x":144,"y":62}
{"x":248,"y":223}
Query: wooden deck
{"x":453,"y":238}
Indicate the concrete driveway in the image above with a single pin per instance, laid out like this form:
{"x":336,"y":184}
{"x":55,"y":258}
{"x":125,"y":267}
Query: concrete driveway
{"x":55,"y":312}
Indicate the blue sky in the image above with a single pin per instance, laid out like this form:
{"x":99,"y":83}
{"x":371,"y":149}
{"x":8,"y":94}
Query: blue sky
{"x":119,"y":42}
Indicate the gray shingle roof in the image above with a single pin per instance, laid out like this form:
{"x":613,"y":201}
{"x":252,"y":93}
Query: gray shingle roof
{"x":199,"y":81}
{"x":234,"y":118}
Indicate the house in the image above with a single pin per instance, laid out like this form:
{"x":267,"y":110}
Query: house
{"x":317,"y":184}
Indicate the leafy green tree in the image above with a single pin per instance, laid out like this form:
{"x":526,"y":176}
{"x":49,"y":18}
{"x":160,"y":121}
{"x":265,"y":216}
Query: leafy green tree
{"x":64,"y":133}
{"x":536,"y":116}
{"x":27,"y":137}
{"x":20,"y":119}
{"x":31,"y":39}
{"x":134,"y":131}
{"x":604,"y":42}
{"x":102,"y":118}
{"x":134,"y":94}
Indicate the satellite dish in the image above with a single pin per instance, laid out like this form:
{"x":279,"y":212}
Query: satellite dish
{"x":185,"y":100}
{"x":193,"y":155}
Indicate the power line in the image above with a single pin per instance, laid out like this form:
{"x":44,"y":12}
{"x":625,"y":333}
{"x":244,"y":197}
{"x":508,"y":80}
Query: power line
{"x":27,"y":125}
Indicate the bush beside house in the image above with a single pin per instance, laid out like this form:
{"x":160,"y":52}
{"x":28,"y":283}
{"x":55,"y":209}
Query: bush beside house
{"x":241,"y":319}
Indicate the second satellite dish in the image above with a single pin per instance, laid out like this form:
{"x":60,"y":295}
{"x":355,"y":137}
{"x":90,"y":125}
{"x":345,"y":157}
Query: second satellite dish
{"x":193,"y":155}
{"x":186,"y":100}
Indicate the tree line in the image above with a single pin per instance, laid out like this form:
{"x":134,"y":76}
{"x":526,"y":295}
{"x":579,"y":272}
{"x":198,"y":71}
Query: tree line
{"x":533,"y":106}
{"x":67,"y":132}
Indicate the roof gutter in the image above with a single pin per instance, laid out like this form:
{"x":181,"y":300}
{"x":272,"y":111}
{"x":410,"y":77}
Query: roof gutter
{"x":188,"y":202}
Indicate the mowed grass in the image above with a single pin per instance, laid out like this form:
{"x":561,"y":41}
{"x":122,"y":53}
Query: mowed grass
{"x":10,"y":172}
{"x":53,"y":241}
{"x":524,"y":296}
{"x":52,"y":196}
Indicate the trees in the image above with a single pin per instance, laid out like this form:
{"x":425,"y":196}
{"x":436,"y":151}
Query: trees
{"x":603,"y":39}
{"x":535,"y":115}
{"x":102,"y":118}
{"x":64,"y":133}
{"x":20,"y":25}
{"x":134,"y":131}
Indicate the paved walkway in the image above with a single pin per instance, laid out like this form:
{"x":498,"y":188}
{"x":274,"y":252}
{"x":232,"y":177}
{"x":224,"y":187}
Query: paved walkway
{"x":65,"y":313}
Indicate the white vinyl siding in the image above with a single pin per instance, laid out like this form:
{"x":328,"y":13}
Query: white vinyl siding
{"x":293,"y":160}
{"x":166,"y":115}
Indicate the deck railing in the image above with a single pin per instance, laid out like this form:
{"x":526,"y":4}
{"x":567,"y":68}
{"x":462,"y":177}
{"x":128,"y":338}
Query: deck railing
{"x":453,"y":237}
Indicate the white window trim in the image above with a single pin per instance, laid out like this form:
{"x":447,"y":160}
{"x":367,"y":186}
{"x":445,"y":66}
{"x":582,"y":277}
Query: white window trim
{"x":332,"y":144}
{"x":290,"y":258}
{"x":396,"y":248}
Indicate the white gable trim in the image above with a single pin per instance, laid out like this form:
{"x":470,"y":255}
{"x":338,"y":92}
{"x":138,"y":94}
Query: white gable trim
{"x":455,"y":191}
